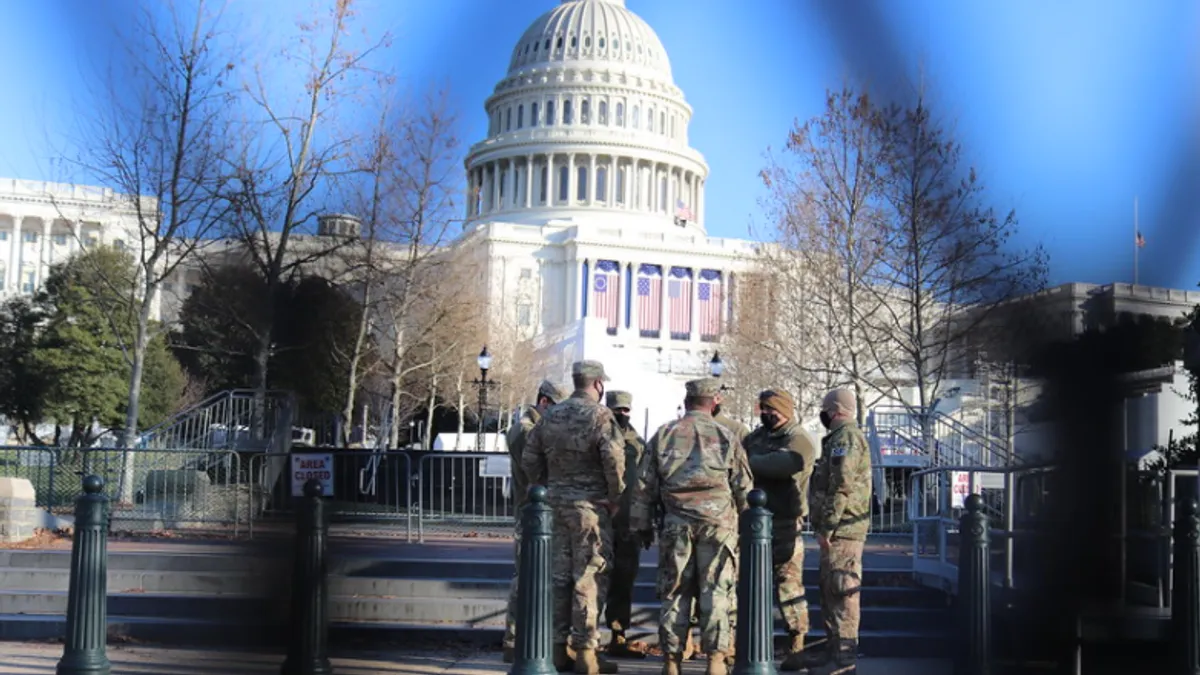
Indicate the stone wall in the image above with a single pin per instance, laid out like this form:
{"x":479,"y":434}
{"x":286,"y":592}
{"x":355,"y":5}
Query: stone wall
{"x":19,"y":515}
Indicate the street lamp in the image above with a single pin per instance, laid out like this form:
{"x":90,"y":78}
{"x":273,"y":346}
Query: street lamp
{"x":485,"y":362}
{"x":716,"y":366}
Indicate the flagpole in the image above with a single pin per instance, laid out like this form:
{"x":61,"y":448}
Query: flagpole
{"x":1135,"y":246}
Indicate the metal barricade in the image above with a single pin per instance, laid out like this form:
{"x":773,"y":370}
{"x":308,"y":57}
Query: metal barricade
{"x":464,"y":493}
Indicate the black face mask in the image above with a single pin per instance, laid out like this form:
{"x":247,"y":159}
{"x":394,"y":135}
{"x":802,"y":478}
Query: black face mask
{"x":768,"y":420}
{"x":825,"y":420}
{"x":622,"y":419}
{"x":716,"y":410}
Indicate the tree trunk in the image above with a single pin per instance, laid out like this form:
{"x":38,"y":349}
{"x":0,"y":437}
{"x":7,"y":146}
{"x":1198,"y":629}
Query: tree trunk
{"x":352,"y":377}
{"x":133,"y":405}
{"x":394,"y":431}
{"x":462,"y":402}
{"x":429,"y":413}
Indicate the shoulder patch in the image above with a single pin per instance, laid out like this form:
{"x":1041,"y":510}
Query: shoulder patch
{"x":837,"y":451}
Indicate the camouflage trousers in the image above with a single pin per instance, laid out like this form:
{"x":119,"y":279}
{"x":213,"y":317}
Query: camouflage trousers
{"x":841,"y":583}
{"x":582,"y":546}
{"x":696,"y":565}
{"x":787,"y":558}
{"x":510,"y":618}
{"x":618,"y":608}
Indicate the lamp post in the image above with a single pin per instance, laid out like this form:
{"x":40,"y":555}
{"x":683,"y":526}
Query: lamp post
{"x":485,"y":362}
{"x":716,"y":366}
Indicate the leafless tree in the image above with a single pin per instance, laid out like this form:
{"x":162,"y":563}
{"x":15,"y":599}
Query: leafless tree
{"x":944,"y":251}
{"x":159,"y":140}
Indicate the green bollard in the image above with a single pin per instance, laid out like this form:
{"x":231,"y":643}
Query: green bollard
{"x":1185,"y":595}
{"x":535,"y":618}
{"x":974,"y":590}
{"x":755,"y":650}
{"x":87,"y":597}
{"x":308,"y":649}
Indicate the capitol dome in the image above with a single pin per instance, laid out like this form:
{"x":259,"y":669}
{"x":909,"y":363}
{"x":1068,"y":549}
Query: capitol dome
{"x":587,"y":124}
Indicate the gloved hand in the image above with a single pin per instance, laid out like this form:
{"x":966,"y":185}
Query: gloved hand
{"x":647,"y":537}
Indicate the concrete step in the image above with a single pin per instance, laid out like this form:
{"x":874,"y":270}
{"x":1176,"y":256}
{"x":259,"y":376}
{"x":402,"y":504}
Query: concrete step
{"x":234,"y":561}
{"x":172,"y":606}
{"x":122,"y":581}
{"x":226,"y":632}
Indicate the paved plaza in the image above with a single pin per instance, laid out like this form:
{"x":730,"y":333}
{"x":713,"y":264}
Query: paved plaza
{"x":40,"y":659}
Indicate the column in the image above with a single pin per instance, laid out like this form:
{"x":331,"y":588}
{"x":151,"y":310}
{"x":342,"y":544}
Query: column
{"x":700,"y":202}
{"x":76,"y":242}
{"x":13,"y":274}
{"x":633,"y":298}
{"x":469,"y":206}
{"x":672,"y":191}
{"x":43,"y":265}
{"x":571,"y":178}
{"x":664,"y":317}
{"x":495,"y":202}
{"x":591,"y":180}
{"x":529,"y":173}
{"x":512,"y":190}
{"x":694,"y":319}
{"x":610,"y":181}
{"x":726,"y":286}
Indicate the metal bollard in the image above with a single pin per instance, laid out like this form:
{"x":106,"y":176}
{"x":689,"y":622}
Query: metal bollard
{"x":535,"y":620}
{"x":308,"y":649}
{"x":755,"y":647}
{"x":1185,"y":595}
{"x":974,"y":590}
{"x":87,"y":597}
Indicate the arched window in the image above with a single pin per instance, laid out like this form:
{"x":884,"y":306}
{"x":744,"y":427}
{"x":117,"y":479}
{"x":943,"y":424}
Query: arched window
{"x":635,"y":117}
{"x":567,"y":111}
{"x":603,"y":112}
{"x":521,"y":115}
{"x":620,"y":114}
{"x":584,"y":110}
{"x":544,"y":180}
{"x":601,"y":183}
{"x":650,"y":120}
{"x":549,"y":113}
{"x":581,"y":185}
{"x":508,"y":119}
{"x":563,"y":188}
{"x":662,"y":195}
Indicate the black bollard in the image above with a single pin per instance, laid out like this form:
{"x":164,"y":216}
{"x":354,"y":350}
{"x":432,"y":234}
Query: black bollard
{"x":1185,"y":594}
{"x":308,"y":649}
{"x":87,"y":597}
{"x":535,"y":618}
{"x":974,"y":590}
{"x":755,"y":647}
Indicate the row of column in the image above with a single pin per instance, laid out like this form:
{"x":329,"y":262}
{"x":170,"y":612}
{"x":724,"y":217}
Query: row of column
{"x":627,"y":298}
{"x":629,"y":183}
{"x":24,"y":275}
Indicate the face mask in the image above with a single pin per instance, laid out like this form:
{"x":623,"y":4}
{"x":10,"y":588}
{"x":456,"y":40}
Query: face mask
{"x":600,"y":390}
{"x":716,"y":410}
{"x":622,"y":419}
{"x":825,"y":421}
{"x":767,"y":420}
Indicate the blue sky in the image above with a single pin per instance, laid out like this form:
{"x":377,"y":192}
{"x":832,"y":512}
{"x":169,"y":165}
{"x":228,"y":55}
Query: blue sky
{"x":1068,"y":109}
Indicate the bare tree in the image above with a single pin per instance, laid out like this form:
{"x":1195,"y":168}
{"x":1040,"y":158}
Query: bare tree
{"x":159,"y":139}
{"x":285,"y":158}
{"x":825,"y":200}
{"x":943,"y":252}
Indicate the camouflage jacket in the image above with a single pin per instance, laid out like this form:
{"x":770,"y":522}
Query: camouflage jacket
{"x":697,"y":469}
{"x":740,"y":430}
{"x":782,"y":462}
{"x":517,"y":434}
{"x":842,"y":485}
{"x":634,"y":447}
{"x":577,"y":452}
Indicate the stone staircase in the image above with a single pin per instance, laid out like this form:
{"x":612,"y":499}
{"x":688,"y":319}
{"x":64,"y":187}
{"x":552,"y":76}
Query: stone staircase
{"x":234,"y":595}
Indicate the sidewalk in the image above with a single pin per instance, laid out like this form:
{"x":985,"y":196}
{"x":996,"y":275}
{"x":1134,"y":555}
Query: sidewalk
{"x":40,"y":659}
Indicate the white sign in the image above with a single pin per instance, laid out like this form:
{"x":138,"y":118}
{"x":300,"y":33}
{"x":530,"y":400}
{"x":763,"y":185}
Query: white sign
{"x":498,"y":466}
{"x":306,"y":467}
{"x":960,"y":483}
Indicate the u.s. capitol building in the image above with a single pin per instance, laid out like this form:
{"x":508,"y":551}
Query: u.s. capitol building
{"x":587,"y":203}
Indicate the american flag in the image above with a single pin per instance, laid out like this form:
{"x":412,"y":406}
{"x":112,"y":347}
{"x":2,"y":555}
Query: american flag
{"x":1139,"y":241}
{"x":606,"y":291}
{"x":682,"y":211}
{"x":649,"y":302}
{"x":709,"y":299}
{"x":679,"y":298}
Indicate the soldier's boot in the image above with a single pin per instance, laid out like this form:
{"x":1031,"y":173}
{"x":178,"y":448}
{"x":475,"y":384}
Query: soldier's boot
{"x":671,"y":664}
{"x":588,"y":662}
{"x":619,"y":647}
{"x":689,"y":647}
{"x":563,"y":662}
{"x":717,"y":664}
{"x":815,"y":659}
{"x":795,"y":658}
{"x":510,"y":654}
{"x":845,"y":656}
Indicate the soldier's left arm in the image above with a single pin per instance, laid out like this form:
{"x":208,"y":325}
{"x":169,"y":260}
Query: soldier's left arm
{"x":533,"y":457}
{"x":645,"y":490}
{"x":741,"y":480}
{"x":785,"y":462}
{"x":611,"y":446}
{"x":845,"y":460}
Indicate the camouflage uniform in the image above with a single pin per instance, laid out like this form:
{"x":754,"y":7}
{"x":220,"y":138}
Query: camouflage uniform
{"x":577,"y":452}
{"x":842,"y":514}
{"x":520,"y":491}
{"x":740,"y":430}
{"x":626,"y":543}
{"x":782,"y":462}
{"x":698,"y":469}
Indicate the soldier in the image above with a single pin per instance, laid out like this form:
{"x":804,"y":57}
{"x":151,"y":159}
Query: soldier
{"x":781,"y":455}
{"x":626,"y":544}
{"x":578,"y":453}
{"x":548,"y":394}
{"x":698,"y":469}
{"x":841,"y":516}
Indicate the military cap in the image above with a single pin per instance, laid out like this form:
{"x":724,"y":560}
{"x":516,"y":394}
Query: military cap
{"x":708,"y":387}
{"x":618,"y":399}
{"x":551,"y":391}
{"x":592,"y":369}
{"x":840,"y":400}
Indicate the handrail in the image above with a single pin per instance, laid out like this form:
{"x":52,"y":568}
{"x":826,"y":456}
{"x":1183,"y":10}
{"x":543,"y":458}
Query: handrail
{"x":993,"y":449}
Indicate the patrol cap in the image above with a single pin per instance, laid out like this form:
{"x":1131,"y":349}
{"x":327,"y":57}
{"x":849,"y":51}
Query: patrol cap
{"x":551,"y":391}
{"x":618,"y":399}
{"x":840,"y":400}
{"x":592,"y":369}
{"x":707,"y":387}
